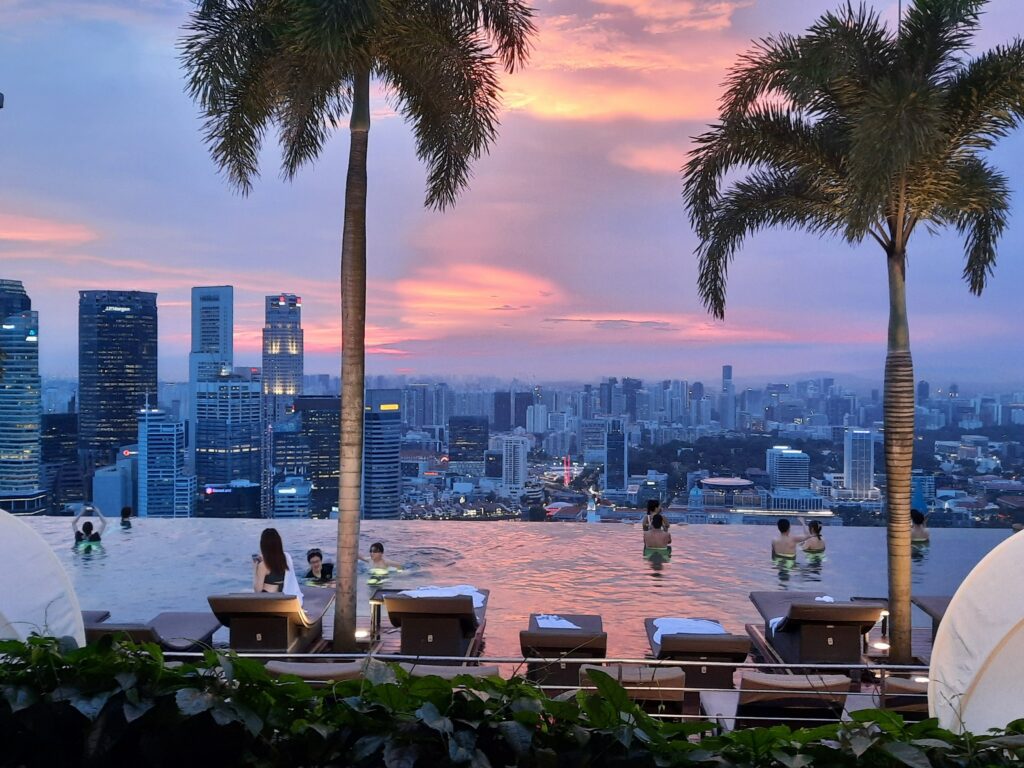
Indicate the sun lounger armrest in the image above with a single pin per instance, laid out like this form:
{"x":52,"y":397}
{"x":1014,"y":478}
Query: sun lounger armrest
{"x":225,"y":607}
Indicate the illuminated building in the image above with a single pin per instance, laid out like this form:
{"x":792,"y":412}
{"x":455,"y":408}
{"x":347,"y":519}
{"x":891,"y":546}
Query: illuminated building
{"x":382,"y":444}
{"x":228,"y":430}
{"x":21,"y":407}
{"x":282,"y":354}
{"x":788,"y":468}
{"x":467,"y":442}
{"x":117,"y":354}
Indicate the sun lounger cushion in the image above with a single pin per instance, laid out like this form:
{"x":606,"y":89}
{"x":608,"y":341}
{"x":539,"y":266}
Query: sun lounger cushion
{"x":764,"y":687}
{"x":172,"y":631}
{"x":667,"y":625}
{"x":902,"y":695}
{"x":449,"y":672}
{"x":326,"y":671}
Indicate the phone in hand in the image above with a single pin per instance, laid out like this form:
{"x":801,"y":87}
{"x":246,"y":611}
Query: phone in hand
{"x":256,"y":557}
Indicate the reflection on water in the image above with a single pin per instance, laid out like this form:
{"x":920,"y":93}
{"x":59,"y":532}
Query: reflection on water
{"x":162,"y":565}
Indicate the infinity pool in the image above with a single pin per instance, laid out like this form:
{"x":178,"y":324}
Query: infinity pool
{"x":162,"y":565}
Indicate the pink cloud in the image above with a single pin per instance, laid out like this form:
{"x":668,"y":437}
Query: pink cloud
{"x":32,"y":229}
{"x":661,"y":158}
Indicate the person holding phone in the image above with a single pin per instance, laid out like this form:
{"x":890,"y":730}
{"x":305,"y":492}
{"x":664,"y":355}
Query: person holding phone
{"x":272,"y":568}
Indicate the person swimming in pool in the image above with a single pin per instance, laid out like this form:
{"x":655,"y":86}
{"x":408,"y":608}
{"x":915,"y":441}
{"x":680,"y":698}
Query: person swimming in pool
{"x":319,"y":572}
{"x":657,"y":537}
{"x":784,"y":545}
{"x":814,"y":544}
{"x":88,"y":535}
{"x":654,"y":508}
{"x":126,"y":517}
{"x":376,"y":559}
{"x":919,"y":528}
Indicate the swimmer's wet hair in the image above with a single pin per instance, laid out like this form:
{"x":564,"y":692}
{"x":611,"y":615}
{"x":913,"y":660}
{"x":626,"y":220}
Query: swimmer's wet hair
{"x":377,"y":547}
{"x":314,"y":552}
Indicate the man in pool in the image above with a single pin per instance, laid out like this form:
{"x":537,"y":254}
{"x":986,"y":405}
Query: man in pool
{"x":319,"y":572}
{"x":88,"y":535}
{"x":657,"y":537}
{"x":784,"y":545}
{"x":918,"y":528}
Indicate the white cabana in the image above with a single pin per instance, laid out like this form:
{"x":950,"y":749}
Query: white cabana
{"x":976,"y":674}
{"x":37,"y":595}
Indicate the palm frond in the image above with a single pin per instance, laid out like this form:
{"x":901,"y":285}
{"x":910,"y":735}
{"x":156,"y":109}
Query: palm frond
{"x":508,"y":23}
{"x":934,"y":33}
{"x":985,"y":99}
{"x":444,"y":80}
{"x":761,"y":200}
{"x":228,"y":51}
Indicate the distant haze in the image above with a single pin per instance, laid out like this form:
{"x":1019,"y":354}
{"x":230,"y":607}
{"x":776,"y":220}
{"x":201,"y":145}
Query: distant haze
{"x":569,"y":258}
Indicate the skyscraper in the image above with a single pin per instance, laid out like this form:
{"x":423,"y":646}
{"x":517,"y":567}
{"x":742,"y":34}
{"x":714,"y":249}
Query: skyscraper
{"x":858,"y":462}
{"x":616,"y":456}
{"x":382,"y":453}
{"x":117,"y":354}
{"x":788,"y":468}
{"x":520,"y":402}
{"x":923,"y":391}
{"x":514,"y":452}
{"x":282,"y":354}
{"x":21,"y":408}
{"x":727,"y":402}
{"x":212,"y":352}
{"x":467,"y":442}
{"x":165,"y":490}
{"x":320,"y":419}
{"x":502,"y":411}
{"x":228,"y":430}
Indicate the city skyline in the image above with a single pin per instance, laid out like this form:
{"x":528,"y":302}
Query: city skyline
{"x":571,"y":244}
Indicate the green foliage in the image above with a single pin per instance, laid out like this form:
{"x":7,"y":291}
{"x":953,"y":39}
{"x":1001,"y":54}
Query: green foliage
{"x":117,"y":704}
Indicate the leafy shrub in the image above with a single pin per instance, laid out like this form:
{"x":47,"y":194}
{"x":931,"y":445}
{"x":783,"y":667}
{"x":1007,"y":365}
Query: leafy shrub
{"x":117,"y":704}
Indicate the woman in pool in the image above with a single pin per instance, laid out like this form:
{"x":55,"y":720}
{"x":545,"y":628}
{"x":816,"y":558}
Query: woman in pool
{"x":815,"y":542}
{"x":918,"y":528}
{"x":273,"y":570}
{"x":657,"y":537}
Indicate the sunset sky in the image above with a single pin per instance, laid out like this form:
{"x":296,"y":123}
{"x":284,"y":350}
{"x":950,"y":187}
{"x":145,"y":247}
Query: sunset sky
{"x":569,"y":257}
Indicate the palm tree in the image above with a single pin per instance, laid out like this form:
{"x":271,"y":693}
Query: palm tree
{"x":856,"y":131}
{"x":301,"y":66}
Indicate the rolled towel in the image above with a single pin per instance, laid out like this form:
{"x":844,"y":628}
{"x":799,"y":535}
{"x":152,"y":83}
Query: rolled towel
{"x":773,"y":624}
{"x":553,"y":621}
{"x":825,"y":599}
{"x":678,"y":626}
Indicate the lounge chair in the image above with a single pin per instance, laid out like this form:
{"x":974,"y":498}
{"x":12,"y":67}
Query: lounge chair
{"x":700,"y":648}
{"x":655,"y":689}
{"x":268,"y":622}
{"x":335,"y":671}
{"x":94,"y":617}
{"x":906,"y":696}
{"x":172,"y":631}
{"x":801,"y":630}
{"x":549,"y":636}
{"x":437,"y":626}
{"x":768,"y":699}
{"x":935,"y":606}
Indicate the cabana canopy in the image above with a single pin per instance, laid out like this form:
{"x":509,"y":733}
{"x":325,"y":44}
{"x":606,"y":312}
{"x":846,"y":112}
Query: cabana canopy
{"x":37,"y":594}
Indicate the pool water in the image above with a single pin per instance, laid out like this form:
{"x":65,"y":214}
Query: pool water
{"x":162,"y":565}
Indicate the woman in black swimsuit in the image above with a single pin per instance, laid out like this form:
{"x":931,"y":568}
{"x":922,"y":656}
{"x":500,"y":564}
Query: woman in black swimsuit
{"x":270,"y":566}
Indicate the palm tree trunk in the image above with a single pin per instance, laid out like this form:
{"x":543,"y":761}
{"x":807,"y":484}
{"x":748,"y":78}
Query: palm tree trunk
{"x":899,"y":454}
{"x":353,"y":365}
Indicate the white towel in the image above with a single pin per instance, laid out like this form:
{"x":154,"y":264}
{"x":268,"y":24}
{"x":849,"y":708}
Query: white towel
{"x":291,"y":582}
{"x":460,"y":589}
{"x":825,"y":599}
{"x":673,"y":626}
{"x":553,"y":621}
{"x":773,"y":624}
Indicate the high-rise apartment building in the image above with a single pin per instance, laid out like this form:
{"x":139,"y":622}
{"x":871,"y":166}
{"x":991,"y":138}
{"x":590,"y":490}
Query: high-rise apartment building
{"x":616,"y":456}
{"x":61,"y":470}
{"x":165,"y":489}
{"x":788,"y":468}
{"x":514,"y":451}
{"x":320,"y":420}
{"x":282,"y":354}
{"x":727,"y":402}
{"x":213,"y":348}
{"x":21,"y":405}
{"x":520,"y":402}
{"x":382,"y":453}
{"x":117,"y":355}
{"x":228,"y":430}
{"x":858,"y":462}
{"x":537,"y":419}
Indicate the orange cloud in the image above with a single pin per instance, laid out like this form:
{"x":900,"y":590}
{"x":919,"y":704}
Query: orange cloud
{"x":673,"y":15}
{"x":30,"y":229}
